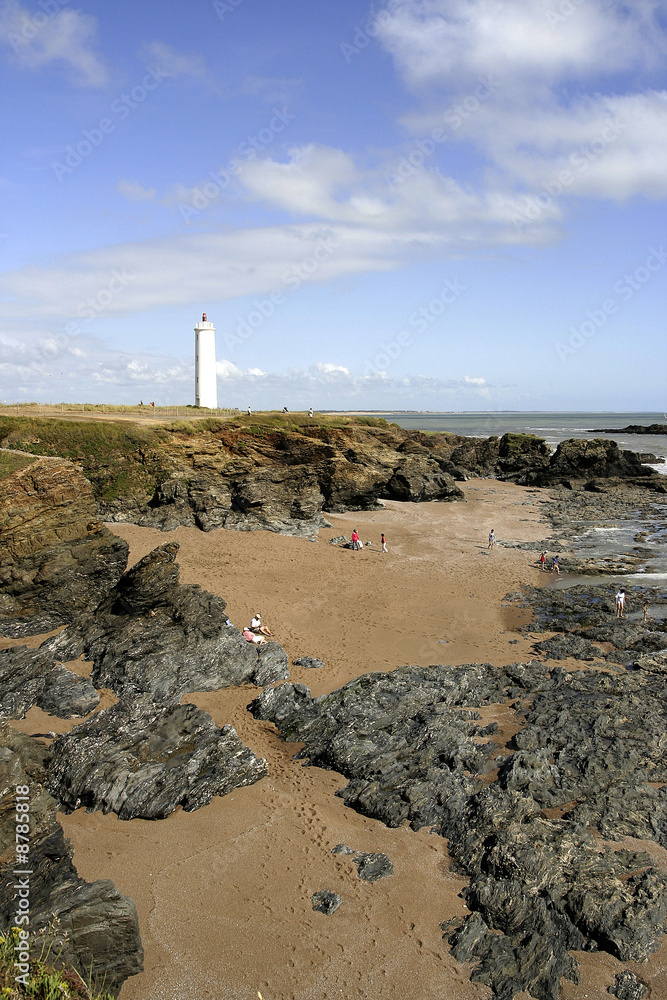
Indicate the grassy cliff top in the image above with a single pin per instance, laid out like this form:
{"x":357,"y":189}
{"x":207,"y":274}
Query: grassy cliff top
{"x":125,"y":457}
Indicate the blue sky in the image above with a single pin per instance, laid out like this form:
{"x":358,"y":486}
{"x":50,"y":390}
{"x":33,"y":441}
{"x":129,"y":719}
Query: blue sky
{"x":424,"y":204}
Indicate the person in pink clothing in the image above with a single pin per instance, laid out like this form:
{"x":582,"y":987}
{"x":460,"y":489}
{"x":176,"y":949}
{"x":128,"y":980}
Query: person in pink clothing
{"x":355,"y":540}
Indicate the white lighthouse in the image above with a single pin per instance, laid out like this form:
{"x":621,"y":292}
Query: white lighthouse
{"x":206,"y":382}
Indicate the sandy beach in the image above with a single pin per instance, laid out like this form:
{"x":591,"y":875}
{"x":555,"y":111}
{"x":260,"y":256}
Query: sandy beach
{"x":223,"y":894}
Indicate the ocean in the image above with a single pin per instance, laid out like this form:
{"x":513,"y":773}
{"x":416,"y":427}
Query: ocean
{"x":552,"y":426}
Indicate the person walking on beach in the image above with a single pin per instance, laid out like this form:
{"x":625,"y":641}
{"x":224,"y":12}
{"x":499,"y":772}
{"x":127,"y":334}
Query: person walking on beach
{"x":384,"y":542}
{"x":310,"y":412}
{"x":620,"y":604}
{"x":645,"y":611}
{"x":543,"y":561}
{"x":249,"y":412}
{"x":555,"y":568}
{"x":492,"y":538}
{"x":355,"y":540}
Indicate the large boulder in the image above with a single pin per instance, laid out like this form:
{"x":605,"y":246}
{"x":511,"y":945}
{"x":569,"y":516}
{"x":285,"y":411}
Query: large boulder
{"x":579,"y":460}
{"x":153,"y":634}
{"x":98,"y":930}
{"x":56,"y":559}
{"x":141,"y":760}
{"x":32,"y":676}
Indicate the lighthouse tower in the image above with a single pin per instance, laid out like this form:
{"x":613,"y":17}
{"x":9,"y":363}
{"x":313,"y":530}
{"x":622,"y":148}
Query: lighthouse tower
{"x":206,"y":382}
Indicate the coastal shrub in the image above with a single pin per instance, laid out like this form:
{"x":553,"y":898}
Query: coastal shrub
{"x":44,"y":980}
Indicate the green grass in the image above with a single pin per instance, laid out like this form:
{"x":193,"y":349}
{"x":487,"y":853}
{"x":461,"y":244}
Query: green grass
{"x":116,"y":457}
{"x":44,"y":981}
{"x":12,"y":463}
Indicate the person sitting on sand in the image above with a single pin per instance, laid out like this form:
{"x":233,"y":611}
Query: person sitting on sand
{"x":250,"y":636}
{"x":257,"y":627}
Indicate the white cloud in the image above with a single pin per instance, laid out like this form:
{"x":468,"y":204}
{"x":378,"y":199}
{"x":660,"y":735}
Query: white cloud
{"x":37,"y":39}
{"x":133,"y":191}
{"x":470,"y":380}
{"x":215,"y":267}
{"x":174,"y":63}
{"x":456,"y":41}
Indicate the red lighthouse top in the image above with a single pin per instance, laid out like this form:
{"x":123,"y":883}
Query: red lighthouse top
{"x":203,"y":319}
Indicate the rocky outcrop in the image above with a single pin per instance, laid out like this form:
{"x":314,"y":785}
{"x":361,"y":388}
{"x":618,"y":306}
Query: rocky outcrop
{"x":262,"y":478}
{"x":633,"y":429}
{"x":412,"y":750}
{"x":56,"y":559}
{"x":32,"y":676}
{"x":578,"y":460}
{"x":152,"y":634}
{"x":141,"y":760}
{"x":97,"y":928}
{"x":508,"y":457}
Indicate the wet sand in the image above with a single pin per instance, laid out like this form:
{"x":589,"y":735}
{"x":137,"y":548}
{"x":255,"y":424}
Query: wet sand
{"x":223,"y":894}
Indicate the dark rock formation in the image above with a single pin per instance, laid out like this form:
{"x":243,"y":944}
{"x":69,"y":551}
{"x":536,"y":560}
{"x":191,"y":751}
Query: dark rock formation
{"x":563,"y":646}
{"x":508,"y":457}
{"x":628,"y":987}
{"x":56,"y":559}
{"x":32,"y":676}
{"x":633,"y":429}
{"x":579,"y":460}
{"x":310,"y":662}
{"x":101,"y":925}
{"x":373,"y":866}
{"x":153,"y":634}
{"x":411,"y":748}
{"x":139,"y":760}
{"x":325,"y":902}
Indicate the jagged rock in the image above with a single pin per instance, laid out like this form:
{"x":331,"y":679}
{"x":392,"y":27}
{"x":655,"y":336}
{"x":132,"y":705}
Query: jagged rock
{"x":418,"y":479}
{"x":32,"y":676}
{"x":66,"y":694}
{"x":56,"y":559}
{"x":578,"y":459}
{"x":539,"y":888}
{"x":343,"y":849}
{"x":326,"y":902}
{"x":310,"y":662}
{"x":153,"y":634}
{"x":341,"y":541}
{"x":102,"y":940}
{"x":628,"y":987}
{"x":571,"y":645}
{"x":140,"y":760}
{"x":373,"y":866}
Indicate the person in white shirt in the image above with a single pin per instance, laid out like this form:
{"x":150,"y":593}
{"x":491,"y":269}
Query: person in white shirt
{"x":257,"y":627}
{"x":620,"y":603}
